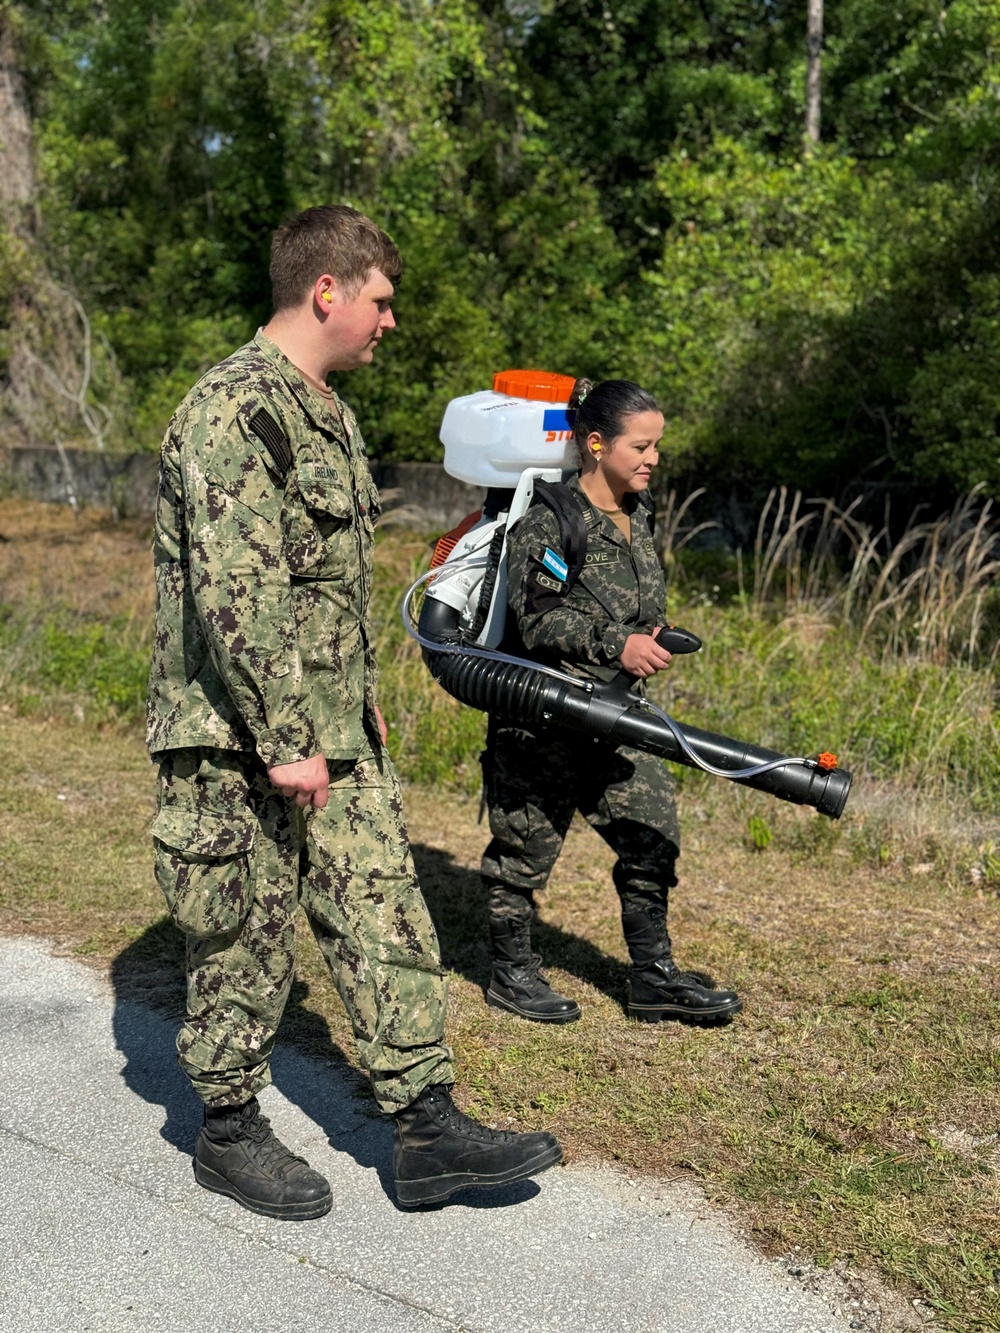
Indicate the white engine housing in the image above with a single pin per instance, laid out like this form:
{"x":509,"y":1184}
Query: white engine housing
{"x":460,"y":588}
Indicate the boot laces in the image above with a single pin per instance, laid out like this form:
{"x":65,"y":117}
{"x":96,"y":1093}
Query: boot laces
{"x":536,"y":968}
{"x":272,"y":1154}
{"x":460,"y":1123}
{"x":675,"y":976}
{"x":701,"y":979}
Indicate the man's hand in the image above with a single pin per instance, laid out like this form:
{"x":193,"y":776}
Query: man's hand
{"x":642,"y":656}
{"x":307,"y":780}
{"x":383,"y":731}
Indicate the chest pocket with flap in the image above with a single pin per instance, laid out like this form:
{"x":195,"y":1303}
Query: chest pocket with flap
{"x":318,"y":528}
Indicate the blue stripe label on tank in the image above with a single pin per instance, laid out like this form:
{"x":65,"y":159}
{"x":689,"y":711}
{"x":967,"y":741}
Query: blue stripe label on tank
{"x":557,"y":418}
{"x":556,"y":566}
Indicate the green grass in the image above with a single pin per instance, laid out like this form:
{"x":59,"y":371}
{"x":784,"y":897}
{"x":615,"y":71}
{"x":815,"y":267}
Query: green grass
{"x":58,"y":659}
{"x":800,"y":686}
{"x":796,"y":683}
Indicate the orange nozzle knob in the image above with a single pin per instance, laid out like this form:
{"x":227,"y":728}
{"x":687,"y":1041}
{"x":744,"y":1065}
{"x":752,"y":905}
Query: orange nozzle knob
{"x":826,"y":761}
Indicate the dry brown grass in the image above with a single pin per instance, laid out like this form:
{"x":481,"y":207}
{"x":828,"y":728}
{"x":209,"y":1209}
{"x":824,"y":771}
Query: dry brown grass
{"x":925,"y":593}
{"x":95,"y":567}
{"x":851,"y":1110}
{"x":825,"y":1116}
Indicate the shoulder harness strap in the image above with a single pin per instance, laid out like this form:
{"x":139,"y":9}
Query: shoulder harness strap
{"x":558,"y":497}
{"x":647,"y":502}
{"x":489,"y":583}
{"x":274,"y":440}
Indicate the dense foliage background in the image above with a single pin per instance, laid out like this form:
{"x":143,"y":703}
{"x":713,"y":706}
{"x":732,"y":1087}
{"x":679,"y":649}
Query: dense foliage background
{"x":597,"y":186}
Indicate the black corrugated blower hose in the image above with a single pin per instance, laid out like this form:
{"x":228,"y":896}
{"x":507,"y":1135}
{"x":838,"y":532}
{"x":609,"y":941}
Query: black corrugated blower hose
{"x":527,"y":694}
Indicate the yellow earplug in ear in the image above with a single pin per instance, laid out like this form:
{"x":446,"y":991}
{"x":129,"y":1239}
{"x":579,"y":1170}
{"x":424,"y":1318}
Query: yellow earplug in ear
{"x":327,"y":296}
{"x":595,"y":448}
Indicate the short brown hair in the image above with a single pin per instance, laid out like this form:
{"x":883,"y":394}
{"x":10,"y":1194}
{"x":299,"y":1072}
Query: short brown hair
{"x":332,"y":239}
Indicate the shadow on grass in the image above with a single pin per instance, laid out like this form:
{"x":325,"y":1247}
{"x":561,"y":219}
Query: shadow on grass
{"x":455,"y":897}
{"x":148,"y":982}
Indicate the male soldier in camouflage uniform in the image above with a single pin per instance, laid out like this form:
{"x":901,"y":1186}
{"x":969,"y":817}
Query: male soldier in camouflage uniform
{"x":275,"y":789}
{"x":596,"y":627}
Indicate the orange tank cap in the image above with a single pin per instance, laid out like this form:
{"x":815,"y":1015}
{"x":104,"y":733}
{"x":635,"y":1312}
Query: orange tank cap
{"x":540,"y":385}
{"x":826,"y":761}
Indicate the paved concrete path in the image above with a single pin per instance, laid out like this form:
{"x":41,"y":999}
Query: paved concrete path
{"x":102,"y":1227}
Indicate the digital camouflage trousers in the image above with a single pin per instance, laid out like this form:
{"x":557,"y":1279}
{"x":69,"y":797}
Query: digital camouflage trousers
{"x":534,"y":783}
{"x":235,"y":859}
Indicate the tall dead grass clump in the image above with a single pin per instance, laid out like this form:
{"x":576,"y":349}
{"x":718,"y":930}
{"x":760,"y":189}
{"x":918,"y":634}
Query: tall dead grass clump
{"x":925,"y":594}
{"x":671,"y":534}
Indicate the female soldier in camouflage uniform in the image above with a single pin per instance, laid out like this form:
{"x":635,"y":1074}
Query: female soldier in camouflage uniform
{"x":603,"y":623}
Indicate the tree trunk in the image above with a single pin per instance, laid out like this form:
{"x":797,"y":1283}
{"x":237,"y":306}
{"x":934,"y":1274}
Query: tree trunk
{"x":814,"y":47}
{"x":17,"y":180}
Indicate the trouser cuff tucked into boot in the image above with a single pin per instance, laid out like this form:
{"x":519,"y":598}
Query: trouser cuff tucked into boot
{"x":438,"y":1150}
{"x":658,"y":990}
{"x":517,"y":984}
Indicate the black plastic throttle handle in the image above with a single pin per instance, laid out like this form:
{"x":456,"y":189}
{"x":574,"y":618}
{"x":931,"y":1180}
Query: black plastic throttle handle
{"x":676,"y":640}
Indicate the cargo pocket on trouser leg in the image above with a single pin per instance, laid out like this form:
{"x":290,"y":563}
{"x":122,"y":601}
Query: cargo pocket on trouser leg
{"x":203,"y":869}
{"x":238,"y":966}
{"x":370,"y":920}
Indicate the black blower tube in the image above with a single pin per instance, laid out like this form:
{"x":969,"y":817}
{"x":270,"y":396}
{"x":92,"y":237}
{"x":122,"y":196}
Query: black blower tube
{"x":522,"y":697}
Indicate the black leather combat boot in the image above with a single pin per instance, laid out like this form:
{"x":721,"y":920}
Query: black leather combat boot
{"x":659,"y":990}
{"x":238,"y":1154}
{"x":438,"y":1150}
{"x":517,"y":984}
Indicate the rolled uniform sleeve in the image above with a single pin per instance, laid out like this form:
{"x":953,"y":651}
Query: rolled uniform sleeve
{"x":242,"y":595}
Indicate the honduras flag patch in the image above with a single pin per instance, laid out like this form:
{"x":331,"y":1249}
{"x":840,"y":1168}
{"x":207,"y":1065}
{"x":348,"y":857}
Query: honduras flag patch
{"x":555,"y":564}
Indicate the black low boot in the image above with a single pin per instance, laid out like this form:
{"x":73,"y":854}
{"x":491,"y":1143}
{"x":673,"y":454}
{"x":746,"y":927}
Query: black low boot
{"x":437,"y":1150}
{"x":238,"y":1154}
{"x":658,"y":990}
{"x":517,"y":985}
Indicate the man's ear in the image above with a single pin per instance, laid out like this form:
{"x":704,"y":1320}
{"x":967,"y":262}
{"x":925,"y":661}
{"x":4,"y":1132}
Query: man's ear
{"x":325,"y":291}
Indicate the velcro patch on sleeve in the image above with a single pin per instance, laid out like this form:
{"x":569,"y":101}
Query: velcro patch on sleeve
{"x":542,"y":591}
{"x":274,"y":440}
{"x":544,"y":581}
{"x":555,"y":564}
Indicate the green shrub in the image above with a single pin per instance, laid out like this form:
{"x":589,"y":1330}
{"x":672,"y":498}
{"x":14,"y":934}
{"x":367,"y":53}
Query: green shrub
{"x":100,"y":668}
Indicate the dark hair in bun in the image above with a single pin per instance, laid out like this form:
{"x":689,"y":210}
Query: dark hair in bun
{"x":603,"y":408}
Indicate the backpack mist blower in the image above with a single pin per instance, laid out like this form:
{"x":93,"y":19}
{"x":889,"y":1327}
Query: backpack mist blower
{"x":516,"y":440}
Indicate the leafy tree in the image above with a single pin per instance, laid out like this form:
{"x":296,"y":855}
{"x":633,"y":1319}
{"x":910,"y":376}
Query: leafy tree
{"x":597,"y":186}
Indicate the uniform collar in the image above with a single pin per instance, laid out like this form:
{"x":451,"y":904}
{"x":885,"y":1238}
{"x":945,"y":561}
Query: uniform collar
{"x":328,"y":415}
{"x":594,"y":518}
{"x":592,"y":515}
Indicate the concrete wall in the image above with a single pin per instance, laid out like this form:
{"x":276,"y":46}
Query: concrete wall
{"x":416,"y":495}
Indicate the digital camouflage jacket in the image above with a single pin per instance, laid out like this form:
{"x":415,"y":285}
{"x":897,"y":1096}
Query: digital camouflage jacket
{"x":620,"y":591}
{"x":262,"y":579}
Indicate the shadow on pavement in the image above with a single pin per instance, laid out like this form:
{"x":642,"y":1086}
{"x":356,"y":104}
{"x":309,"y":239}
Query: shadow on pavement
{"x":148,"y":975}
{"x":455,"y":897}
{"x":148,"y":982}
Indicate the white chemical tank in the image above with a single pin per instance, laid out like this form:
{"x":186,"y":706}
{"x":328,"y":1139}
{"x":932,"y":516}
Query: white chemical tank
{"x":490,"y":437}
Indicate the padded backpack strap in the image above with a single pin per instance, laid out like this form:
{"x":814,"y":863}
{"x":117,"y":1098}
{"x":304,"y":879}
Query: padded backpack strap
{"x":558,"y":497}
